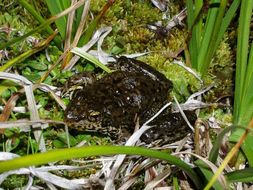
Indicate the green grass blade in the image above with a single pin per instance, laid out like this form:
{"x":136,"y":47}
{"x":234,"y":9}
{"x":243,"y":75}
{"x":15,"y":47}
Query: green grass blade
{"x":35,"y":14}
{"x":175,"y":184}
{"x":247,"y":100}
{"x":247,"y":145}
{"x":243,"y":101}
{"x":90,"y":58}
{"x":213,"y":155}
{"x":199,"y":24}
{"x":241,"y":60}
{"x":227,"y":20}
{"x":208,"y":175}
{"x":55,"y":7}
{"x":40,"y":19}
{"x":63,"y":154}
{"x":205,"y":170}
{"x":205,"y":43}
{"x":190,"y":13}
{"x":195,"y":25}
{"x":193,"y":42}
{"x":204,"y":63}
{"x":249,"y":74}
{"x":244,"y":175}
{"x":89,"y":32}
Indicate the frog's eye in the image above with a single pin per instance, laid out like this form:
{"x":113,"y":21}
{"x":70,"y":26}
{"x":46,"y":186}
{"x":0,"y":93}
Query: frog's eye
{"x":93,"y":116}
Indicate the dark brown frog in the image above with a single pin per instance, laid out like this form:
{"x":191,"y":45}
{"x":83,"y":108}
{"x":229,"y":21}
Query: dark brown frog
{"x":113,"y":104}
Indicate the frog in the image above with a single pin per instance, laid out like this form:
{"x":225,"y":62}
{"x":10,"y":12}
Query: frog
{"x":114,"y":104}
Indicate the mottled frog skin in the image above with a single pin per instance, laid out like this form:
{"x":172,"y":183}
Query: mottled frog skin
{"x":113,"y":104}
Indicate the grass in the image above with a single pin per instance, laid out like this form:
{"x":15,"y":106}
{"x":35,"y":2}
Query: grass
{"x":243,"y":102}
{"x":202,"y":53}
{"x":202,"y":45}
{"x":56,"y":155}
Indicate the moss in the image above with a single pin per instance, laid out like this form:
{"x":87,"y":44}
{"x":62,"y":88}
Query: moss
{"x":184,"y":83}
{"x":129,"y":20}
{"x":15,"y":181}
{"x":222,"y":115}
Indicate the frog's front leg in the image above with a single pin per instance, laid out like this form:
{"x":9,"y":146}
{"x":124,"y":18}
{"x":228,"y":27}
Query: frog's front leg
{"x":78,"y":82}
{"x":117,"y":135}
{"x":169,"y":127}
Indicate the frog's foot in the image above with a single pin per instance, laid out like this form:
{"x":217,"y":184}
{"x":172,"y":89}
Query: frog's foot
{"x":118,"y":135}
{"x":169,"y":128}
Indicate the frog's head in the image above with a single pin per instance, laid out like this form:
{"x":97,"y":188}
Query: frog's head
{"x":82,"y":117}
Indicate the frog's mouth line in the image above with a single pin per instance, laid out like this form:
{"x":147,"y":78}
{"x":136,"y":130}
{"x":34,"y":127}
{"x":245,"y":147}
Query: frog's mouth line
{"x":85,"y":125}
{"x":94,"y":127}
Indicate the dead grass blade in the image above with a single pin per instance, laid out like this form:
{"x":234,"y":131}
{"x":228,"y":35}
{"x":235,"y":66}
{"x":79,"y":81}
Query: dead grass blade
{"x":10,"y":104}
{"x":34,"y":115}
{"x":158,"y":179}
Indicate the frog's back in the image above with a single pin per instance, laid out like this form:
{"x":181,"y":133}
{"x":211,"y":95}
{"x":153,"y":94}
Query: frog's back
{"x":120,"y":97}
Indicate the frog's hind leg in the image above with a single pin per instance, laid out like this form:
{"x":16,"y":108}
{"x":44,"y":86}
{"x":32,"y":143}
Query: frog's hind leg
{"x":169,"y":128}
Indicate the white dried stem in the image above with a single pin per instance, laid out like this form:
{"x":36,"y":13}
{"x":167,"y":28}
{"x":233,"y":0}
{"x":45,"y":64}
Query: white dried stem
{"x":34,"y":115}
